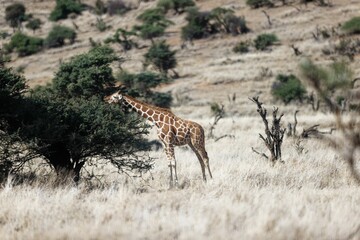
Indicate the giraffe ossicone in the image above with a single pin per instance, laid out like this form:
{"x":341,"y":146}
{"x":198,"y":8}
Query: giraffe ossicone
{"x":171,"y":130}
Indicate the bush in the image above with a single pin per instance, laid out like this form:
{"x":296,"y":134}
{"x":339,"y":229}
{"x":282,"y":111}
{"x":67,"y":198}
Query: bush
{"x":63,"y":8}
{"x":198,"y":25}
{"x":15,"y":14}
{"x":241,"y":47}
{"x":226,"y":21}
{"x":117,"y":7}
{"x":139,"y":85}
{"x":33,"y":24}
{"x":123,"y":38}
{"x":259,"y":3}
{"x":100,"y":7}
{"x":154,"y":23}
{"x":352,"y":26}
{"x":58,"y":35}
{"x":101,"y":25}
{"x":86,"y":75}
{"x":161,"y":57}
{"x":263,"y":41}
{"x":24,"y":45}
{"x":178,"y":6}
{"x":288,"y":88}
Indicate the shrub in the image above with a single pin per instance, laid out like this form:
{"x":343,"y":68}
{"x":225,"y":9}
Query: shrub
{"x":140,"y":85}
{"x":352,"y":26}
{"x":63,"y":8}
{"x":101,"y":25}
{"x":24,"y":45}
{"x":263,"y":41}
{"x":178,"y":6}
{"x":154,"y":23}
{"x":161,"y":57}
{"x":123,"y":38}
{"x":225,"y":20}
{"x":259,"y":3}
{"x":33,"y":24}
{"x":198,"y":26}
{"x":241,"y":47}
{"x":117,"y":7}
{"x":15,"y":14}
{"x":86,"y":75}
{"x":288,"y":88}
{"x":100,"y":7}
{"x":58,"y":35}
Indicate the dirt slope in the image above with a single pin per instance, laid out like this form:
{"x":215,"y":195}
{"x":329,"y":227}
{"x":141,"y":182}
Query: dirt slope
{"x":209,"y":69}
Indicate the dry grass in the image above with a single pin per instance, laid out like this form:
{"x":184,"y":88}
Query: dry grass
{"x":310,"y":196}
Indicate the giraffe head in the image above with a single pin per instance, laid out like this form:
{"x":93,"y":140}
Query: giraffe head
{"x":114,"y":98}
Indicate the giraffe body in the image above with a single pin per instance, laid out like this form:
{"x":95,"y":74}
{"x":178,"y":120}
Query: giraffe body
{"x":171,"y":130}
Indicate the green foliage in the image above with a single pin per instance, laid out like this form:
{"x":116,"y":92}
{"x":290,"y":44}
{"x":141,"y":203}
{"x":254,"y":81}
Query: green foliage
{"x":352,"y":26}
{"x":117,"y":7}
{"x":140,"y":85}
{"x":100,"y":7}
{"x":259,"y":3}
{"x":263,"y":41}
{"x":241,"y":47}
{"x":154,"y":23}
{"x":326,"y":80}
{"x":68,"y":124}
{"x":288,"y":88}
{"x":15,"y":14}
{"x":58,"y":35}
{"x":178,"y":6}
{"x":24,"y":45}
{"x":124,"y":38}
{"x":226,"y":21}
{"x":33,"y":24}
{"x":101,"y":25}
{"x":63,"y":8}
{"x":198,"y":25}
{"x":11,"y":85}
{"x":161,"y":57}
{"x":86,"y":75}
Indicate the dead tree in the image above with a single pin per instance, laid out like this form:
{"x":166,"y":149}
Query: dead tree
{"x":292,"y":129}
{"x":268,"y":17}
{"x":274,"y":135}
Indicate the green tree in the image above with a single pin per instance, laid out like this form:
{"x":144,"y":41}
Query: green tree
{"x":124,"y":38}
{"x":58,"y":35}
{"x":259,"y":3}
{"x":33,"y":24}
{"x":67,"y":123}
{"x":198,"y":26}
{"x":15,"y":14}
{"x":178,"y":6}
{"x":63,"y":8}
{"x":352,"y":26}
{"x":263,"y":41}
{"x":154,"y":24}
{"x":161,"y":57}
{"x":288,"y":88}
{"x":141,"y":86}
{"x":24,"y":45}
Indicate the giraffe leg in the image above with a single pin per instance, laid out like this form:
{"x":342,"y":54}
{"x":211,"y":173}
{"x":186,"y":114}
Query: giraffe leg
{"x":200,"y":160}
{"x":172,"y":165}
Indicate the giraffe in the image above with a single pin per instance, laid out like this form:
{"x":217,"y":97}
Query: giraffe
{"x":171,"y":130}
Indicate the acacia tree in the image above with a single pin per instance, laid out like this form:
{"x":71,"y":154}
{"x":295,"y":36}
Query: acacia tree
{"x":161,"y":57}
{"x":67,"y":123}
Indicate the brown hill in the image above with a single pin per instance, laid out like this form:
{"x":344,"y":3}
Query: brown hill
{"x":209,"y":69}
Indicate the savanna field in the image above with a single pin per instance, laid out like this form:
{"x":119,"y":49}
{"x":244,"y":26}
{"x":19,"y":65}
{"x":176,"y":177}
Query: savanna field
{"x":310,"y":194}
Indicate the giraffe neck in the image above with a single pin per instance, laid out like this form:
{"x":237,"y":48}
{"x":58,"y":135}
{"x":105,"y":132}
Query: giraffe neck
{"x":145,"y":110}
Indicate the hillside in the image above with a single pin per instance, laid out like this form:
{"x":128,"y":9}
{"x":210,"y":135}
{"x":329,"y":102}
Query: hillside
{"x":209,"y":70}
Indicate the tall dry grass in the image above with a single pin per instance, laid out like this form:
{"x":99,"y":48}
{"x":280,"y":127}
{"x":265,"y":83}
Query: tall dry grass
{"x":310,"y":196}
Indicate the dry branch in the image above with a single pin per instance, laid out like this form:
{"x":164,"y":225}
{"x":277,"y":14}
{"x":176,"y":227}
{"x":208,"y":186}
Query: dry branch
{"x":273,"y":136}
